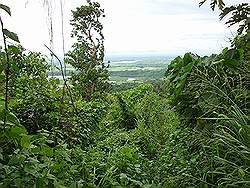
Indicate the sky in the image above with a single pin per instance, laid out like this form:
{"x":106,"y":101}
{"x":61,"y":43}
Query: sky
{"x":131,"y":27}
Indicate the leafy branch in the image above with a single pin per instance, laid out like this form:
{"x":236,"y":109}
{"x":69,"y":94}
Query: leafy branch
{"x":214,"y":3}
{"x":239,"y":15}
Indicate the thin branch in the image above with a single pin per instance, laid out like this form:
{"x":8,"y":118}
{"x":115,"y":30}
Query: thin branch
{"x":63,"y":76}
{"x":7,"y":72}
{"x":63,"y":39}
{"x":63,"y":46}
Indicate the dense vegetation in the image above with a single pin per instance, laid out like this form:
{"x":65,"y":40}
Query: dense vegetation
{"x":192,"y":130}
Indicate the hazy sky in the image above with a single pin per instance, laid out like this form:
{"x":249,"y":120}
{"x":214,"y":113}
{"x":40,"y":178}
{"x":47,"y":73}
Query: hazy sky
{"x":167,"y":27}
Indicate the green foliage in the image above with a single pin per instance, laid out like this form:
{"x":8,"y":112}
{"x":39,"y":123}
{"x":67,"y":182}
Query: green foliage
{"x":129,"y":119}
{"x":121,"y":156}
{"x":211,"y":94}
{"x":41,"y":104}
{"x":192,"y":131}
{"x":191,"y":78}
{"x":30,"y":85}
{"x":34,"y":163}
{"x":117,"y":157}
{"x":238,"y":15}
{"x":178,"y":73}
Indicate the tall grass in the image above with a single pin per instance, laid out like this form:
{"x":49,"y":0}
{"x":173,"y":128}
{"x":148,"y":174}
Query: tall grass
{"x":223,"y":94}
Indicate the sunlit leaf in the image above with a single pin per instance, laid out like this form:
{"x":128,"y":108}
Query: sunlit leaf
{"x":46,"y":150}
{"x":17,"y":130}
{"x":25,"y":141}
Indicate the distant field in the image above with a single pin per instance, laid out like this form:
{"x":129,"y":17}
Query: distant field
{"x":137,"y":69}
{"x":131,"y":69}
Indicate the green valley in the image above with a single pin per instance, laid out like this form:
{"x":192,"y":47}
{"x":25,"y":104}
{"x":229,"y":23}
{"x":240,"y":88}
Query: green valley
{"x":89,"y":120}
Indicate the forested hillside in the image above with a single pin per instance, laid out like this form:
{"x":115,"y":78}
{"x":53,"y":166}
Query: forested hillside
{"x":189,"y":130}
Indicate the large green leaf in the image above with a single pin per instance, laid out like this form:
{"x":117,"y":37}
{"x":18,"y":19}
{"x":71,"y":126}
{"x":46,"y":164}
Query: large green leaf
{"x":188,"y":58}
{"x":187,"y":69}
{"x":232,"y":54}
{"x":17,"y":131}
{"x":11,"y":35}
{"x":6,"y":8}
{"x":46,"y":150}
{"x":25,"y":141}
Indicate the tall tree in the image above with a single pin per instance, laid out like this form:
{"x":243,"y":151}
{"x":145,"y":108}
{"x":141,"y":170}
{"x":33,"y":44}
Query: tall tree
{"x":87,"y":56}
